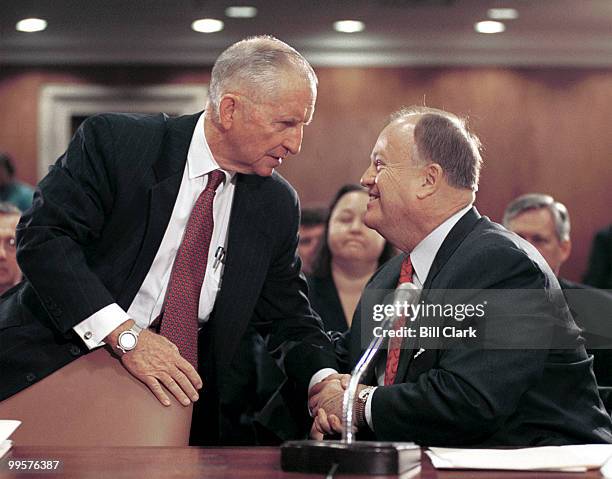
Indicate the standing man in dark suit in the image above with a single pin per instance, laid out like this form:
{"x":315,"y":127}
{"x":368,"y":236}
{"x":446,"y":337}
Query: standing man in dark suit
{"x":545,"y":223}
{"x":164,"y":238}
{"x":526,"y":379}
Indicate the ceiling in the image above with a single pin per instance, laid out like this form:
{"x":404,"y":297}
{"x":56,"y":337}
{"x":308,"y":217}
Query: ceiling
{"x":575,"y":33}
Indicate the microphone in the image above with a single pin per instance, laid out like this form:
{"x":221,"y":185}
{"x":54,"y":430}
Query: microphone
{"x":357,"y":457}
{"x":405,"y":293}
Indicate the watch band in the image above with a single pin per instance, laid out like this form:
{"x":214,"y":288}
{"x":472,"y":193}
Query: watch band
{"x":137,"y":329}
{"x":360,"y":405}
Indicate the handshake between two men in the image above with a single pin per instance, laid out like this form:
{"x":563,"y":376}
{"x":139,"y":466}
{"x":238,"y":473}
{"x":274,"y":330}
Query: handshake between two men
{"x":325,"y":401}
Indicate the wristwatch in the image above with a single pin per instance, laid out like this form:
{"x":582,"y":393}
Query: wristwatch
{"x":128,"y":339}
{"x":360,"y":404}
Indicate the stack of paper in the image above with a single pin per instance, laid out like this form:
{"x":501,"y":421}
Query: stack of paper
{"x":7,"y":427}
{"x":549,"y":458}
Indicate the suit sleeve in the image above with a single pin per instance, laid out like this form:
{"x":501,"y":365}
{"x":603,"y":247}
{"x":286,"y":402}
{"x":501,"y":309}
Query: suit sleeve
{"x":68,"y":215}
{"x":296,"y":333}
{"x":599,"y":273}
{"x":471,"y":391}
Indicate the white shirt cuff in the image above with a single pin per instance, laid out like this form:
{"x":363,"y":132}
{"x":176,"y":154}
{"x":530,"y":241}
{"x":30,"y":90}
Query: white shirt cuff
{"x":368,"y":410}
{"x":319,"y":376}
{"x":100,"y":324}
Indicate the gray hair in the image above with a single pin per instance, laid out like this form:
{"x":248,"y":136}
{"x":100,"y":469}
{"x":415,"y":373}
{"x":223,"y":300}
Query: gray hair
{"x":443,"y":138}
{"x":535,"y":201}
{"x":256,"y":62}
{"x":9,"y":209}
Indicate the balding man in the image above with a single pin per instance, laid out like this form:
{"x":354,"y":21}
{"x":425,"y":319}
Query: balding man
{"x":164,"y":238}
{"x":545,"y":223}
{"x":490,"y":378}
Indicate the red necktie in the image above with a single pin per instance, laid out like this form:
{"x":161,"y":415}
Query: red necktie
{"x":395,"y":344}
{"x":179,"y":322}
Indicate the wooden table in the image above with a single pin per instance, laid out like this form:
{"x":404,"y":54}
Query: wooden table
{"x":203,"y":463}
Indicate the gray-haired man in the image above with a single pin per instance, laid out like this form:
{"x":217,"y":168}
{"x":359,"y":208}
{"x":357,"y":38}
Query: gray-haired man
{"x":113,"y":251}
{"x":545,"y":223}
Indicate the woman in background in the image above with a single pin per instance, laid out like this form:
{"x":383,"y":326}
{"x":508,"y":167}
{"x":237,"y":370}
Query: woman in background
{"x":349,"y":254}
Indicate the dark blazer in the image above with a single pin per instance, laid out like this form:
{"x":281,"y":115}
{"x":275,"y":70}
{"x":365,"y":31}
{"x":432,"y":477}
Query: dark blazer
{"x":324,"y":299}
{"x":599,"y":273}
{"x":591,"y":308}
{"x":96,"y":224}
{"x":463,"y":396}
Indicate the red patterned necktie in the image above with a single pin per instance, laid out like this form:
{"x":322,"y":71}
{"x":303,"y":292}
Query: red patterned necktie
{"x":179,"y":321}
{"x":395,"y":344}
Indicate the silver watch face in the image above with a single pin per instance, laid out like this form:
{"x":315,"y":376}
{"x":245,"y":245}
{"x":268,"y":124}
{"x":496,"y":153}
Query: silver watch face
{"x":363,"y":394}
{"x":127,"y":340}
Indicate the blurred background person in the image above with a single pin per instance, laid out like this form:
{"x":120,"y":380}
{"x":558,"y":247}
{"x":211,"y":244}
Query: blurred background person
{"x":11,"y":190}
{"x":10,"y":274}
{"x":348,"y":256}
{"x":599,"y":272}
{"x":545,"y":223}
{"x":312,"y":224}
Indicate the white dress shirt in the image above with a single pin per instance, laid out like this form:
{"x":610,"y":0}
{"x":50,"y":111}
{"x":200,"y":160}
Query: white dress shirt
{"x":422,"y":257}
{"x":147,"y":303}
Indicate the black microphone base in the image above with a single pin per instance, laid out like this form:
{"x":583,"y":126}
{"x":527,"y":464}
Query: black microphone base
{"x":360,"y":457}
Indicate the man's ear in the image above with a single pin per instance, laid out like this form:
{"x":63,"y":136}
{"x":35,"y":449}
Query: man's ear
{"x":431,"y":180}
{"x":227,"y":110}
{"x":566,"y":250}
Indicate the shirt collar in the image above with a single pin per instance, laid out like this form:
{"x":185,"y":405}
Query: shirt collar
{"x":200,"y":160}
{"x":424,"y":253}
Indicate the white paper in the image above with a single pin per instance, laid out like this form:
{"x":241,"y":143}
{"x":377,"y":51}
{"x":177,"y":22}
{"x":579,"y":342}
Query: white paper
{"x":5,"y":446}
{"x":7,"y":427}
{"x":548,"y":458}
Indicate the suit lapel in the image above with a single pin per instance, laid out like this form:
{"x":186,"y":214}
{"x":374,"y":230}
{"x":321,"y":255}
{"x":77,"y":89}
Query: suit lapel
{"x":167,"y":173}
{"x":248,"y":256}
{"x":452,"y":241}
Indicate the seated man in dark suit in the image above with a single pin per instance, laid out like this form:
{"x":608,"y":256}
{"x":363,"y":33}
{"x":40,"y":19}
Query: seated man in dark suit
{"x":545,"y":223}
{"x":526,"y":379}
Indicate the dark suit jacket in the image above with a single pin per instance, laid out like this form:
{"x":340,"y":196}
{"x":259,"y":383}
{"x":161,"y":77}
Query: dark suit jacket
{"x":599,"y":273}
{"x":464,"y":396}
{"x":324,"y":299}
{"x":591,"y":308}
{"x":93,"y":232}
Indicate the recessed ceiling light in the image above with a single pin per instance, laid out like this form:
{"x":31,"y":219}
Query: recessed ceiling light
{"x":31,"y":25}
{"x":349,"y":26}
{"x":207,"y":25}
{"x":241,"y":12}
{"x":489,"y":26}
{"x":503,"y":13}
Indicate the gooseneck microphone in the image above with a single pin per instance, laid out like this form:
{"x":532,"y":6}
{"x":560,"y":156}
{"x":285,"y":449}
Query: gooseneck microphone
{"x":348,"y":456}
{"x":406,"y":293}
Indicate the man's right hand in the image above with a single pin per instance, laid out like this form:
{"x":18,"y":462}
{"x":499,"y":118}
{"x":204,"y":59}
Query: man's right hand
{"x":156,"y":361}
